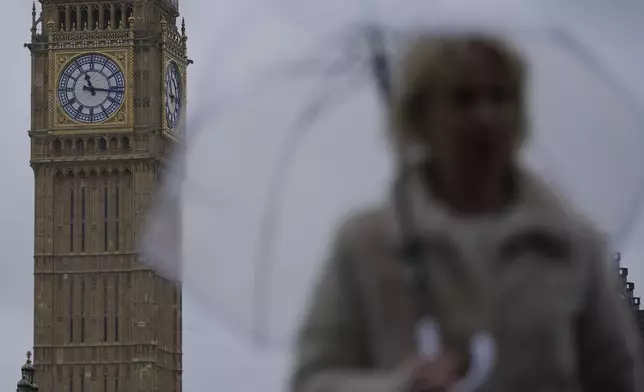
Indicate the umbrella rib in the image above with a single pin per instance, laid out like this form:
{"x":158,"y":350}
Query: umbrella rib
{"x":272,"y":208}
{"x":581,"y":50}
{"x":267,"y":76}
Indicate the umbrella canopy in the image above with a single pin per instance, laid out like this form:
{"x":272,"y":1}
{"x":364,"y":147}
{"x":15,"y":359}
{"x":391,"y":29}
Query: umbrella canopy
{"x":267,"y":175}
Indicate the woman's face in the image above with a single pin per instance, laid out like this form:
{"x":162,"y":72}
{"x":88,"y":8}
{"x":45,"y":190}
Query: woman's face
{"x":473,"y":117}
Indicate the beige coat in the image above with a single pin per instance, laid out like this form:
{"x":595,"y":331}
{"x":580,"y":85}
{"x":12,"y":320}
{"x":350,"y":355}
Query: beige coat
{"x":537,"y":277}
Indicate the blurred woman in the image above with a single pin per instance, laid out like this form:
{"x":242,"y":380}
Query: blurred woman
{"x":501,"y":251}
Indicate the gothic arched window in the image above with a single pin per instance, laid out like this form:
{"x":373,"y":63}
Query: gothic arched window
{"x":80,"y":146}
{"x":96,"y":17}
{"x":118,"y":17}
{"x":82,"y":309}
{"x":68,"y":146}
{"x":107,"y":16}
{"x":83,"y":217}
{"x":62,"y":18}
{"x":73,"y":18}
{"x":84,"y":18}
{"x":71,"y":316}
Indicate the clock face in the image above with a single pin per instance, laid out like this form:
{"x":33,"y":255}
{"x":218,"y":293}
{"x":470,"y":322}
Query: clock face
{"x":91,"y":88}
{"x":172,"y":94}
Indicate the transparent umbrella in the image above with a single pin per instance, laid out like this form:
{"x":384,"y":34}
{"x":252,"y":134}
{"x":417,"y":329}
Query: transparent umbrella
{"x":266,"y":177}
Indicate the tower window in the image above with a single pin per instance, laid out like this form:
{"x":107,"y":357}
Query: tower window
{"x":107,"y":16}
{"x":71,"y":310}
{"x":95,"y":17}
{"x":84,"y":18}
{"x":114,"y":143}
{"x":62,"y":18}
{"x":105,"y":218}
{"x":83,"y":215}
{"x":73,"y":18}
{"x":82,"y":298}
{"x":116,"y":310}
{"x":118,"y":17}
{"x":102,"y":144}
{"x":80,"y":146}
{"x":126,"y":144}
{"x":116,"y":218}
{"x":71,"y":220}
{"x":71,"y":381}
{"x":58,"y":146}
{"x":105,"y":311}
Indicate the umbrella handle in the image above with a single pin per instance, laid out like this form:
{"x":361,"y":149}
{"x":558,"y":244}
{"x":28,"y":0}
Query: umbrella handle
{"x":483,"y":355}
{"x":428,"y":339}
{"x":482,"y":352}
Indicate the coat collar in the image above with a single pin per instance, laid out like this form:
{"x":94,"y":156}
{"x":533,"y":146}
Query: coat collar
{"x":537,"y":206}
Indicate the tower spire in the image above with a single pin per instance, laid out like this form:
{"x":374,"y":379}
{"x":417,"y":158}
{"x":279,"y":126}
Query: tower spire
{"x":33,"y":19}
{"x":26,"y":383}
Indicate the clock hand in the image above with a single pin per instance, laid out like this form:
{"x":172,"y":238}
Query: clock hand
{"x":87,"y":79}
{"x":91,"y":89}
{"x":109,"y":90}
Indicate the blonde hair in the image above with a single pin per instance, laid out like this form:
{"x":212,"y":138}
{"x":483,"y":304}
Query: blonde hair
{"x":431,"y":59}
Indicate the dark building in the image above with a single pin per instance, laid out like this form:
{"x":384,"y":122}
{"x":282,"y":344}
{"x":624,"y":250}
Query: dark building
{"x":629,"y":294}
{"x":26,"y":383}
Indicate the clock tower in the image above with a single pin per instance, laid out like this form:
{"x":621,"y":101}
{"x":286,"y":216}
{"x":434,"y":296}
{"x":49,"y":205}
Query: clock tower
{"x":107,"y":90}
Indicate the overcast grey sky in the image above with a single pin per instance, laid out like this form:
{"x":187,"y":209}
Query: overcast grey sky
{"x":231,"y":43}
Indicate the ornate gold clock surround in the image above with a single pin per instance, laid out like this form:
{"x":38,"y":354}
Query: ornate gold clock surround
{"x":123,"y":118}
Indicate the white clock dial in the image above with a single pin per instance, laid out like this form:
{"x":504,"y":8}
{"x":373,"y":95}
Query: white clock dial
{"x":91,"y":88}
{"x":173,"y":95}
